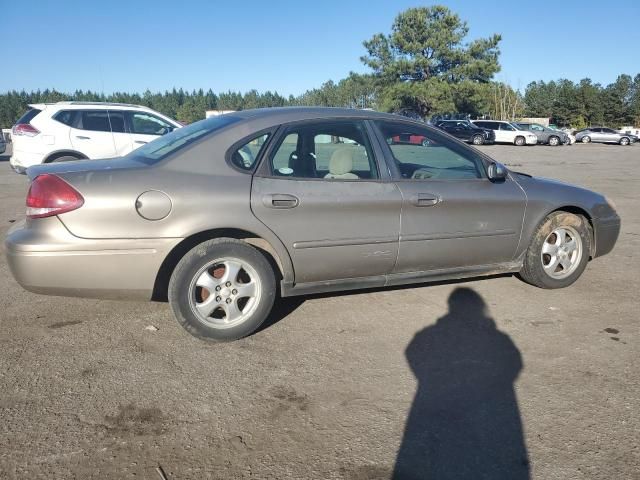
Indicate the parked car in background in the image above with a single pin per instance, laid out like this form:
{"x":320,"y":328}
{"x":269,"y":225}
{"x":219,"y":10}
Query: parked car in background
{"x":63,"y":131}
{"x":604,"y":135}
{"x":467,"y":131}
{"x":3,"y":144}
{"x":505,"y":132}
{"x":222,"y":215}
{"x":545,"y":135}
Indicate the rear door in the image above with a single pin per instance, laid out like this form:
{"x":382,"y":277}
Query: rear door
{"x":121,"y":136}
{"x":146,"y":127}
{"x":452,"y":215}
{"x":91,"y":134}
{"x":320,"y":188}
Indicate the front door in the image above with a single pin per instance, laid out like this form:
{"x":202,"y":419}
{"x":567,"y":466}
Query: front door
{"x":321,"y":191}
{"x":452,"y":215}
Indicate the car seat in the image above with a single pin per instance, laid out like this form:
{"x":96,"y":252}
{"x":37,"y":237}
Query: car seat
{"x":341,"y":164}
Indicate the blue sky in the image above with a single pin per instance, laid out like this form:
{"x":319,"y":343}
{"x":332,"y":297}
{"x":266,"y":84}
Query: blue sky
{"x":288,"y":46}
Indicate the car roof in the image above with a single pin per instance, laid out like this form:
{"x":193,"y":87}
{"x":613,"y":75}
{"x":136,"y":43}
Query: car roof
{"x":72,"y":105}
{"x":315,"y":112}
{"x":267,"y":117}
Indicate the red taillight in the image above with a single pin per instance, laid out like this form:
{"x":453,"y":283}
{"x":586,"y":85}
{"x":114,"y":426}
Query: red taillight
{"x":25,"y":129}
{"x":49,"y":195}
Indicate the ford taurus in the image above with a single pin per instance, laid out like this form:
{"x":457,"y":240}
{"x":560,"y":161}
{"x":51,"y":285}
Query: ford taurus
{"x":222,"y":215}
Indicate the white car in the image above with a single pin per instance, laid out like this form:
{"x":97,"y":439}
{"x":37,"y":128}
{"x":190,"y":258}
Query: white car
{"x":63,"y":131}
{"x":506,"y":132}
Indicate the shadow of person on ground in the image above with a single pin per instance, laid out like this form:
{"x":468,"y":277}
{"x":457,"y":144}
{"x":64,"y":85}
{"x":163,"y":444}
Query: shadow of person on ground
{"x":465,"y":421}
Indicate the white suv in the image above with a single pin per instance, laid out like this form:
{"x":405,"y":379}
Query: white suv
{"x":506,"y":132}
{"x":58,"y":132}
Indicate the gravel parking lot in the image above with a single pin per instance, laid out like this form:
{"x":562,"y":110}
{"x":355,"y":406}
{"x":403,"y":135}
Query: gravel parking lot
{"x":337,"y":386}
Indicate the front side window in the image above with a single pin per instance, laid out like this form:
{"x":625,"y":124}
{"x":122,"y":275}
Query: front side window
{"x":331,"y":150}
{"x":507,"y":127}
{"x":422,"y":154}
{"x":147,"y":124}
{"x":245,"y":156}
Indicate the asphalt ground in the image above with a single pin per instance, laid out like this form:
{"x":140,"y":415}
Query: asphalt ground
{"x":507,"y":381}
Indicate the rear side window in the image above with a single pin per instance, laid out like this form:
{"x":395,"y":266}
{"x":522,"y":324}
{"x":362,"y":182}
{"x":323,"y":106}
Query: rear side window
{"x":331,"y":150}
{"x":116,"y":120}
{"x":94,"y":120}
{"x":164,"y":146}
{"x":245,"y":156}
{"x":28,"y":116}
{"x":66,"y":117}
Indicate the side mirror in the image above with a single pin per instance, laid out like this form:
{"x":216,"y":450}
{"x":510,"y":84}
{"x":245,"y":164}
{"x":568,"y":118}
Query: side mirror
{"x":497,"y":172}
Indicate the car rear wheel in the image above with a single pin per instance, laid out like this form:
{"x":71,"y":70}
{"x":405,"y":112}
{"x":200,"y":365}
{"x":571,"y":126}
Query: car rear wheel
{"x":624,"y":141}
{"x":477,"y":140}
{"x":554,"y":141}
{"x":586,"y":139}
{"x":559,"y":251}
{"x":63,"y":158}
{"x":519,"y":141}
{"x":222,"y":290}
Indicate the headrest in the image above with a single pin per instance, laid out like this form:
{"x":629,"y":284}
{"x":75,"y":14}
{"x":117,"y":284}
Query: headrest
{"x":341,"y":161}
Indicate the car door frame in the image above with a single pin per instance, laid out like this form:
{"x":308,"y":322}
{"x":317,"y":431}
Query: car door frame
{"x":263,"y":171}
{"x":512,"y":264}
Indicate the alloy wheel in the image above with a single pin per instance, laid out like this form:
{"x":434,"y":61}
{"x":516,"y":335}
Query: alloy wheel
{"x":224,"y":292}
{"x":561,"y":252}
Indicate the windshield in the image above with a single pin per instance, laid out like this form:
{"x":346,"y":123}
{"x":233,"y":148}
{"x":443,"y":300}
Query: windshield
{"x":163,"y":146}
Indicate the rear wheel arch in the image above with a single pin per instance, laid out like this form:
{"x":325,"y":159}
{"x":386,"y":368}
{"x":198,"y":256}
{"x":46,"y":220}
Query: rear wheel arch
{"x":64,"y":153}
{"x":170,"y":262}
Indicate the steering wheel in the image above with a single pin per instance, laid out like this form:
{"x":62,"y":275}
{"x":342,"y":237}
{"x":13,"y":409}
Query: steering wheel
{"x":424,"y":173}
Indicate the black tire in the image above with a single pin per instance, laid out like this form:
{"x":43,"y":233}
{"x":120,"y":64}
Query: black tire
{"x":63,"y":158}
{"x":586,"y":139}
{"x":554,"y":141}
{"x":624,"y":141}
{"x":533,"y":270}
{"x":183,"y":277}
{"x":519,"y":141}
{"x":477,"y":140}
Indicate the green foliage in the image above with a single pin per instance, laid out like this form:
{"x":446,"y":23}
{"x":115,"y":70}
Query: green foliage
{"x":425,"y":65}
{"x":584,"y":103}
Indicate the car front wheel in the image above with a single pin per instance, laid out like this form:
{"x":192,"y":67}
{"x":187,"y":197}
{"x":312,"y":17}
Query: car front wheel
{"x":477,"y":140}
{"x":519,"y":141}
{"x":624,"y":141}
{"x":554,"y":141}
{"x":586,"y":139}
{"x":222,"y":290}
{"x":559,"y":251}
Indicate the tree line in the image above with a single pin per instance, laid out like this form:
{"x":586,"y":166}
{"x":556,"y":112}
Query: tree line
{"x":424,"y":66}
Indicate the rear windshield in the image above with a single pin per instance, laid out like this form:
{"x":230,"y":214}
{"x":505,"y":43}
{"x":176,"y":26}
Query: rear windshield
{"x":170,"y":143}
{"x":27,"y":117}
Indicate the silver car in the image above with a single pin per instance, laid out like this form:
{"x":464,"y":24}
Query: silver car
{"x":221,"y":216}
{"x":603,"y":135}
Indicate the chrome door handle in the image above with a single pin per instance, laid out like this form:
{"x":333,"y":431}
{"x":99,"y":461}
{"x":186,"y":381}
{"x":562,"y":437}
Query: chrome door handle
{"x":280,"y":200}
{"x":426,"y":200}
{"x":80,"y":137}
